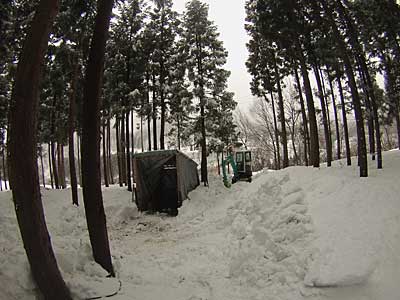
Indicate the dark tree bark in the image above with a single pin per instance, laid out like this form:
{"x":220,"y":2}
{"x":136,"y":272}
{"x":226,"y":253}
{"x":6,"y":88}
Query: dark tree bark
{"x":327,"y":133}
{"x":344,"y":120}
{"x":132,"y":134}
{"x":285,"y":162}
{"x":79,"y":158}
{"x":369,"y":115}
{"x":141,"y":133}
{"x":397,"y":118}
{"x":148,"y":108}
{"x":54,"y":164}
{"x":92,"y":196}
{"x":128,"y":153}
{"x":204,"y":173}
{"x":122,"y":148}
{"x":117,"y":134}
{"x":343,"y":53}
{"x":23,"y":160}
{"x":179,"y":132}
{"x":352,"y":30}
{"x":306,"y":135}
{"x":314,"y":143}
{"x":109,"y":156}
{"x":71,"y":130}
{"x":61,"y":168}
{"x":154,"y":115}
{"x":42,"y":167}
{"x":105,"y":172}
{"x":338,"y":143}
{"x":162,"y":113}
{"x":50,"y":165}
{"x":276,"y":132}
{"x":391,"y":92}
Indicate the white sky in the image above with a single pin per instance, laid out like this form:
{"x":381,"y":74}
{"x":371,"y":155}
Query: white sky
{"x":229,"y":17}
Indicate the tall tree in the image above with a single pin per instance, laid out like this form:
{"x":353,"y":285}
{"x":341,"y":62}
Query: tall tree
{"x":91,"y":178}
{"x":23,"y":160}
{"x":206,"y":56}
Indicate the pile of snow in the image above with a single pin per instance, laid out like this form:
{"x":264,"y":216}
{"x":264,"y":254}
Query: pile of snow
{"x":271,"y":232}
{"x":281,"y":237}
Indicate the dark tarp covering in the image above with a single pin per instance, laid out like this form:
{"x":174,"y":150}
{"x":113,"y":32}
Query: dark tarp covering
{"x":163,"y":179}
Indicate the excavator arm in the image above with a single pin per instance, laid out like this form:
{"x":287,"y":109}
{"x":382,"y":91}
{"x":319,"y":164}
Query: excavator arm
{"x":231,"y":161}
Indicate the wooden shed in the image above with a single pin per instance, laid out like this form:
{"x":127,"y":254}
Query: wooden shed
{"x":163,"y":180}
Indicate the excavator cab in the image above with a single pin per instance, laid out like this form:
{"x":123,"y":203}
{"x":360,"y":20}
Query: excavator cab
{"x":243,"y":166}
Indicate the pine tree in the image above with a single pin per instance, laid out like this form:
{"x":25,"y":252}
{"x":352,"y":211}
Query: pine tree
{"x":164,"y":25}
{"x":206,"y":57}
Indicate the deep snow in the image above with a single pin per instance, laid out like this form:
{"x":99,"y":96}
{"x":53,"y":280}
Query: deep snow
{"x":276,"y":238}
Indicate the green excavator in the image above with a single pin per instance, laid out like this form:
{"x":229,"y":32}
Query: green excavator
{"x":241,"y":166}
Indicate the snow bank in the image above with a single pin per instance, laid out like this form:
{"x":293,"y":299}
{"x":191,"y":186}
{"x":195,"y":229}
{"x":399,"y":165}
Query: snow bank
{"x":270,"y":233}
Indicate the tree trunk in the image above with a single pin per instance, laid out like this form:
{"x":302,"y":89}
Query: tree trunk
{"x":42,"y":167}
{"x":148,"y":106}
{"x":122,"y":148}
{"x":141,"y":135}
{"x":369,"y":114}
{"x":92,"y":196}
{"x":154,"y":115}
{"x":71,"y":127}
{"x":54,"y":164}
{"x":314,"y":144}
{"x":278,"y":154}
{"x":328,"y":143}
{"x":128,"y":154}
{"x":50,"y":167}
{"x":79,"y":159}
{"x":61,"y":169}
{"x":179,"y":132}
{"x":285,"y":162}
{"x":109,"y":156}
{"x":369,"y":82}
{"x":397,"y":118}
{"x":306,"y":135}
{"x":344,"y":120}
{"x":117,"y":134}
{"x":204,"y":173}
{"x":338,"y":144}
{"x":343,"y":53}
{"x":24,"y":175}
{"x":105,"y":173}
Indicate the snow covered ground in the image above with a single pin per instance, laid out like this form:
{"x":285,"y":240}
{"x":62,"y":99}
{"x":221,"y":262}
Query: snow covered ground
{"x":300,"y":233}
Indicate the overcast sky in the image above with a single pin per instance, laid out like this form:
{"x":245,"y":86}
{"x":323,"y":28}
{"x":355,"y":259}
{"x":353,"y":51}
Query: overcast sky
{"x":229,"y":17}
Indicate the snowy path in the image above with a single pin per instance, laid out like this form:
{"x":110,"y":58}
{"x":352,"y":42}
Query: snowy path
{"x":244,"y":243}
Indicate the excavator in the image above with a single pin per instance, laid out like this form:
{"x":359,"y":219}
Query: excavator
{"x":241,"y":166}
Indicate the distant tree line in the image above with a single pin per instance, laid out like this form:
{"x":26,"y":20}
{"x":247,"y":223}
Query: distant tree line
{"x":74,"y":69}
{"x":340,"y":45}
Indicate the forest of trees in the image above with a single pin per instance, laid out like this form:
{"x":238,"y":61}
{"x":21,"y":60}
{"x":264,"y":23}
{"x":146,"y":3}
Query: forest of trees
{"x":313,"y":61}
{"x":163,"y":79}
{"x":76,"y":73}
{"x":72,"y":72}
